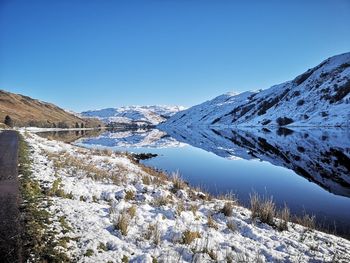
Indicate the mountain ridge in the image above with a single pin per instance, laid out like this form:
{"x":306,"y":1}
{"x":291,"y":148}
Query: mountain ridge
{"x":317,"y":97}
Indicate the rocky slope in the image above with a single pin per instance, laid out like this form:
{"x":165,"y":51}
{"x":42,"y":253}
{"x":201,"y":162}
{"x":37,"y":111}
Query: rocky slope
{"x":318,"y":97}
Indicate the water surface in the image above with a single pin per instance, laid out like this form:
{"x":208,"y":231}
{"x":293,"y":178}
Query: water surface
{"x":307,"y":169}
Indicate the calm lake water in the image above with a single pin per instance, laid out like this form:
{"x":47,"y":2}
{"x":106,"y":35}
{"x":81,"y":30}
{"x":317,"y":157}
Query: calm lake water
{"x":307,"y":169}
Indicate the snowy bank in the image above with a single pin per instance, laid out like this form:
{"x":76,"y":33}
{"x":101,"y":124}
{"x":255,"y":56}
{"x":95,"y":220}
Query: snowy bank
{"x":116,"y":210}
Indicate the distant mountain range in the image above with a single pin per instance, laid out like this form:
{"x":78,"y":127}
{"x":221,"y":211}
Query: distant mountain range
{"x":318,"y":97}
{"x":141,"y":115}
{"x":26,"y":111}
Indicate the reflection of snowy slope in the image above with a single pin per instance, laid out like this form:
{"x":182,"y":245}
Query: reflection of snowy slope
{"x":318,"y":97}
{"x":130,"y":114}
{"x":133,"y":138}
{"x":322,"y":157}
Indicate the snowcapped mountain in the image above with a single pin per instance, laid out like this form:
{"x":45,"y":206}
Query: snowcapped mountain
{"x":149,"y":115}
{"x":318,"y":97}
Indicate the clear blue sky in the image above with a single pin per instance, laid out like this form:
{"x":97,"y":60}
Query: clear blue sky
{"x":93,"y":54}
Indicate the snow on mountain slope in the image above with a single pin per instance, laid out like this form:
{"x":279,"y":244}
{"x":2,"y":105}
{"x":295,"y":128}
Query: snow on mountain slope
{"x":318,"y":97}
{"x":131,"y":114}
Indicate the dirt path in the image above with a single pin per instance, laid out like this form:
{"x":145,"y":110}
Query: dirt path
{"x":10,"y":242}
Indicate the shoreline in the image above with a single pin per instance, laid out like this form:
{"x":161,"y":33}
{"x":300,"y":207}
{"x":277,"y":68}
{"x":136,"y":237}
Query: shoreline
{"x":115,"y":209}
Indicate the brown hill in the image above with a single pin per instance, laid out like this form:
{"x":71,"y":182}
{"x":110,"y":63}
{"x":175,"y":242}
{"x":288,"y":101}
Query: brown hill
{"x":25,"y":111}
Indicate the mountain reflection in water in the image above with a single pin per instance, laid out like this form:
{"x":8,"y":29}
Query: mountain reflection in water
{"x":308,"y":169}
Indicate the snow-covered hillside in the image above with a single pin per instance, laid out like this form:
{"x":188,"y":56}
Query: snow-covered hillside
{"x":318,"y":97}
{"x":149,"y":115}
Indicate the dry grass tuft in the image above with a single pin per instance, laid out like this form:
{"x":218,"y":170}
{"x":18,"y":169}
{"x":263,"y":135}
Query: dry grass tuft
{"x":262,"y":208}
{"x":107,"y":152}
{"x":64,"y":160}
{"x":153,"y":172}
{"x":129,"y":195}
{"x":121,"y":223}
{"x":161,"y":201}
{"x":180,"y":208}
{"x":153,"y":233}
{"x":189,"y":236}
{"x":227,"y":210}
{"x":132,"y":211}
{"x":194,"y":208}
{"x":284,"y":218}
{"x":178,"y":183}
{"x":306,"y":221}
{"x":146,"y":180}
{"x":212,"y":223}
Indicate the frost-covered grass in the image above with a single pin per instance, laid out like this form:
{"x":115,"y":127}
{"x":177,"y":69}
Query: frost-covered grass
{"x":112,"y":209}
{"x":41,"y":233}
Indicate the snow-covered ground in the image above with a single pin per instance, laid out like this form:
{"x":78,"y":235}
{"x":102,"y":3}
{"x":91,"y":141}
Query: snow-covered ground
{"x":134,"y":114}
{"x":318,"y":97}
{"x":98,"y":193}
